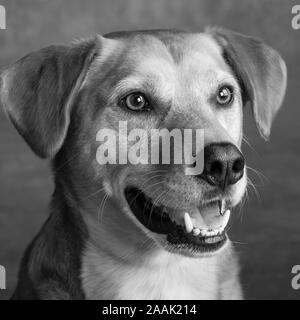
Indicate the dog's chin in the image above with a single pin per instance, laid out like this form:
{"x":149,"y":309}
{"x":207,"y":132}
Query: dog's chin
{"x":191,"y":232}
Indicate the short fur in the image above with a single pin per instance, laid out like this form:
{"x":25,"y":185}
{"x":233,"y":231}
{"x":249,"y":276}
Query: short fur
{"x":60,"y":96}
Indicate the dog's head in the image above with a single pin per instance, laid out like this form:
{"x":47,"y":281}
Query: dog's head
{"x":68,"y":103}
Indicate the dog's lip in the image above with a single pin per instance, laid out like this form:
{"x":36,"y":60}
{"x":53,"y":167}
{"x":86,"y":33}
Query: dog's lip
{"x":202,"y":237}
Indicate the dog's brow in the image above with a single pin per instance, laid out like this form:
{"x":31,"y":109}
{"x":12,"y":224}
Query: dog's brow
{"x":151,"y":84}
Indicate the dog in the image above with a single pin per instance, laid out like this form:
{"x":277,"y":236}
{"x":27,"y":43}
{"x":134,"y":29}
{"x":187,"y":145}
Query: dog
{"x":143,"y":231}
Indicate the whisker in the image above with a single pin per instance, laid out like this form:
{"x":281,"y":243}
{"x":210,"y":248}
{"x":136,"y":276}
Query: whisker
{"x":94,"y":193}
{"x":142,"y":186}
{"x":250,"y":184}
{"x":152,"y":185}
{"x":151,"y":172}
{"x":68,"y":161}
{"x":238,"y":242}
{"x":101,"y":208}
{"x":163,"y":200}
{"x":260,"y":175}
{"x":242,"y":204}
{"x":153,"y":205}
{"x":249,"y":145}
{"x":145,"y":244}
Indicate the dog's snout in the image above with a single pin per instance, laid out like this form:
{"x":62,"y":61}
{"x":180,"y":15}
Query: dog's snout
{"x":223,"y":164}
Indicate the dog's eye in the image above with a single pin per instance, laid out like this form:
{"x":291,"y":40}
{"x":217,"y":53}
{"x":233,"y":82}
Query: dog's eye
{"x":225,"y":95}
{"x":136,"y":101}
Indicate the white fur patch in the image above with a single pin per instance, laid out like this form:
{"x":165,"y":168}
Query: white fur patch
{"x":160,"y":276}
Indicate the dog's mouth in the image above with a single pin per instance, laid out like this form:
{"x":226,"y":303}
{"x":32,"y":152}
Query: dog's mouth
{"x":201,"y":229}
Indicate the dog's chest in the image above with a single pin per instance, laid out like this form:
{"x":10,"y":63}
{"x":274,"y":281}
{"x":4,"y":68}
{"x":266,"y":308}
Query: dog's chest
{"x":165,"y":277}
{"x":168,"y":282}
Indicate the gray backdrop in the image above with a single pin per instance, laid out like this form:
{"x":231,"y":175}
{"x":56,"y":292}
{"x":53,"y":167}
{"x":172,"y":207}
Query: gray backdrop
{"x":267,"y":230}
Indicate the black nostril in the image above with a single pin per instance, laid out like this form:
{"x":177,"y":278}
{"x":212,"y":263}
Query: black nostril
{"x":216,"y":168}
{"x":238,"y":165}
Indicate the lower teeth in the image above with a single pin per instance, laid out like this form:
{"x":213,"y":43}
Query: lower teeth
{"x":189,"y":228}
{"x":206,"y":233}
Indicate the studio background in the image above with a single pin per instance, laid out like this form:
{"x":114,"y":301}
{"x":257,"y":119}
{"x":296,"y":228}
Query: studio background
{"x":267,"y":229}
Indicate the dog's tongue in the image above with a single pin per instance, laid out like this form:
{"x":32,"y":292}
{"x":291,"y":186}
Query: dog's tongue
{"x":209,"y":217}
{"x":206,"y":217}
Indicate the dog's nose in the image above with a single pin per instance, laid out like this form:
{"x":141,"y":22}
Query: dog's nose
{"x":223,"y":164}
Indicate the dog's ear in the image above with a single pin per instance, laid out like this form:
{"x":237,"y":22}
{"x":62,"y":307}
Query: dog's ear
{"x":37,"y":93}
{"x":261,"y":72}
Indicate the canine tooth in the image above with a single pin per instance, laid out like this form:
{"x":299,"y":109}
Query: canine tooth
{"x":188,"y":222}
{"x":227,"y":215}
{"x":196,"y":231}
{"x":226,"y":219}
{"x":222,"y":207}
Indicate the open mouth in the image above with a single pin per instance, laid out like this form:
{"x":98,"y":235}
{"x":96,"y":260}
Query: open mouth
{"x":199,"y":230}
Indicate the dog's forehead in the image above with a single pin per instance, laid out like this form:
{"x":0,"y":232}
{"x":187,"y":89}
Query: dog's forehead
{"x":198,"y":51}
{"x":177,"y":43}
{"x":163,"y":53}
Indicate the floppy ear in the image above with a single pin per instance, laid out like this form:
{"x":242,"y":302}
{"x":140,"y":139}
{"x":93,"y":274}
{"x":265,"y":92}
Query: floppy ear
{"x":261,"y":72}
{"x":37,"y":93}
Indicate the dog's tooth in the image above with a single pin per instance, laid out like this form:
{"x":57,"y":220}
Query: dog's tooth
{"x":212,"y":232}
{"x":226,"y":219}
{"x":196,"y":231}
{"x":188,"y":223}
{"x":227,"y":216}
{"x":204,"y":233}
{"x":222,"y":206}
